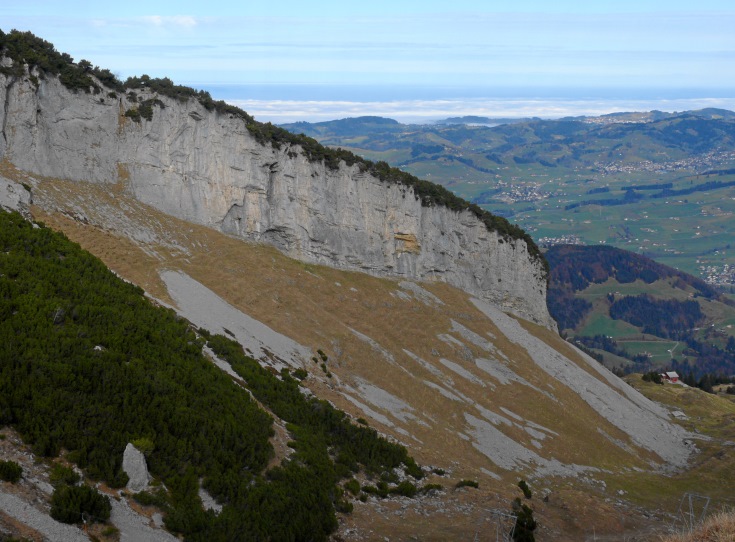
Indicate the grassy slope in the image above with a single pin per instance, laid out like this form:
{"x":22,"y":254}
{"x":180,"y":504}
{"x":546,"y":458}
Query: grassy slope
{"x":316,"y":306}
{"x":709,"y":415}
{"x":719,"y":527}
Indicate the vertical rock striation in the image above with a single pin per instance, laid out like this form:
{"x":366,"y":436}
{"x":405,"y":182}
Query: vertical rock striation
{"x":207,"y":168}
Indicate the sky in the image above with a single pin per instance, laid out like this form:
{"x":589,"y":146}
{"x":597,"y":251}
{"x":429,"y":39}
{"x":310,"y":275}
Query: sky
{"x":322,"y":57}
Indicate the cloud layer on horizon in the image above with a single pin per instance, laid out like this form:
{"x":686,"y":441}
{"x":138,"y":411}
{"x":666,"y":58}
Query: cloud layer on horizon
{"x":417,"y":111}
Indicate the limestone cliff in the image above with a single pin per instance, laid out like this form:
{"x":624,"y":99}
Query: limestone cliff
{"x":206,"y":167}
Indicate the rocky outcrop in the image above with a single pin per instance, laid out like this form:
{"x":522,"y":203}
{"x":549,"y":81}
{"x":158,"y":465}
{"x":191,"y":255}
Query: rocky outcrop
{"x":14,"y":197}
{"x":134,"y":465}
{"x":207,"y":168}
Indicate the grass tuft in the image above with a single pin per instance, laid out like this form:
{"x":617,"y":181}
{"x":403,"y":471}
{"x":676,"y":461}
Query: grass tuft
{"x":719,"y":527}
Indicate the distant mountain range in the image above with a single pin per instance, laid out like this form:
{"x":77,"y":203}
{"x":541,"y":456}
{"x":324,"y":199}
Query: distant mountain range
{"x":560,"y":142}
{"x":709,"y":113}
{"x":486,"y":121}
{"x":349,"y":124}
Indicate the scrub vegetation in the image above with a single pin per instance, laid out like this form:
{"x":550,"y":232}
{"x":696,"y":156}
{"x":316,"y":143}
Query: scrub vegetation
{"x":87,"y":364}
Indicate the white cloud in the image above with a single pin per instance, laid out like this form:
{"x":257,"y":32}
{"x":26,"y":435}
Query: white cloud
{"x":183,"y":21}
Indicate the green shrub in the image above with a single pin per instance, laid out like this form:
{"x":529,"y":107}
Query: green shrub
{"x":322,"y":355}
{"x":353,"y":486}
{"x":63,"y":475}
{"x":74,"y":504}
{"x":525,"y":524}
{"x":146,"y":110}
{"x":343,"y":506}
{"x":10,"y":471}
{"x":439,"y":472}
{"x":654,"y":377}
{"x":405,"y":489}
{"x":144,"y":445}
{"x":412,"y":469}
{"x":146,"y":498}
{"x":146,"y":107}
{"x":300,"y":374}
{"x":467,"y":483}
{"x":526,"y":490}
{"x":110,"y":531}
{"x":390,"y":477}
{"x":380,"y":490}
{"x":133,"y":114}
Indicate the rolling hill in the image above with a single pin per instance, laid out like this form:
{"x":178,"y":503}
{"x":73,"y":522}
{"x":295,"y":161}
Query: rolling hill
{"x":624,"y":305}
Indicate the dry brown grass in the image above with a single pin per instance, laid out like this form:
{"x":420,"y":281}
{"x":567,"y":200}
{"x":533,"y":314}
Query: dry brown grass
{"x":719,"y":527}
{"x":710,"y":468}
{"x":318,"y":306}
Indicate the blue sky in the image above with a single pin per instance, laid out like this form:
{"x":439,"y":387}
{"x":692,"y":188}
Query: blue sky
{"x":628,"y":46}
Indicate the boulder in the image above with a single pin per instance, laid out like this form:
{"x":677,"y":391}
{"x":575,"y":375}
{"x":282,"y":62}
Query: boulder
{"x":136,"y":468}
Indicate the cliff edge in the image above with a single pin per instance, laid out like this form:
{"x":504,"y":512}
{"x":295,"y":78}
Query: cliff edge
{"x":206,"y":165}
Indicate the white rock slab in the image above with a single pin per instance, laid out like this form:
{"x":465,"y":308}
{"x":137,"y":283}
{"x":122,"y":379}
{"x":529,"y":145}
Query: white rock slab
{"x":135,"y":467}
{"x":206,"y":309}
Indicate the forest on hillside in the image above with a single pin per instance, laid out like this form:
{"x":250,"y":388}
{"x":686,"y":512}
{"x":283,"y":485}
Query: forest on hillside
{"x":576,"y":267}
{"x":88,"y":364}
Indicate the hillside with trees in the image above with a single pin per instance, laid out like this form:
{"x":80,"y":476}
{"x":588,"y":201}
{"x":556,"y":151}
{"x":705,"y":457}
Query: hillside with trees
{"x":616,"y":302}
{"x":88,"y":364}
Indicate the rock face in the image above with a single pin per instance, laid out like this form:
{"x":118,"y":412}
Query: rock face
{"x":14,"y":197}
{"x":207,"y":168}
{"x":136,"y":468}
